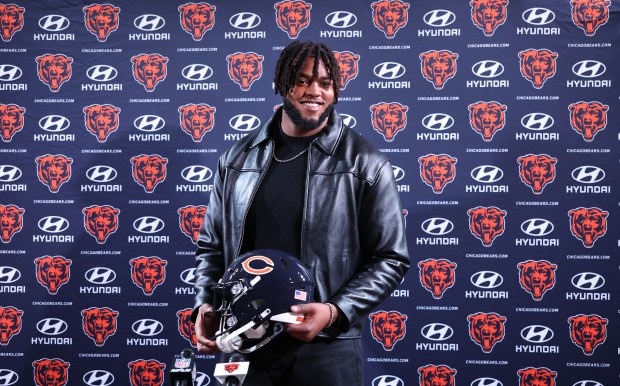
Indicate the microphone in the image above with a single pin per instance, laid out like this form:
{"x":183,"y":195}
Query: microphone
{"x":233,"y":372}
{"x":183,"y":371}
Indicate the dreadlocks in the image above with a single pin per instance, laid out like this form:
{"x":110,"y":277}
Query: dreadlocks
{"x":292,"y":59}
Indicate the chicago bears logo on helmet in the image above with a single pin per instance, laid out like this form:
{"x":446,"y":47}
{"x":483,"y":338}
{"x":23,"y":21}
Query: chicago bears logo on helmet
{"x":537,"y":170}
{"x":389,"y":118}
{"x":186,"y":326}
{"x":389,"y":16}
{"x":190,"y":220}
{"x":54,"y":70}
{"x":348,"y":62}
{"x":437,"y":170}
{"x":588,"y":118}
{"x":52,"y":272}
{"x":292,"y":16}
{"x":100,"y":221}
{"x":538,"y":65}
{"x":54,"y":170}
{"x":10,"y":323}
{"x":438,"y":67}
{"x":101,"y":120}
{"x":590,"y":14}
{"x":149,"y":70}
{"x":11,"y":120}
{"x":486,"y":223}
{"x":197,"y":119}
{"x":537,"y":277}
{"x":486,"y":329}
{"x":99,"y":323}
{"x":11,"y":221}
{"x":12,"y":19}
{"x":487,"y":118}
{"x":144,"y":372}
{"x":388,"y":327}
{"x":588,"y":331}
{"x":148,"y":272}
{"x":149,"y":170}
{"x":197,"y":18}
{"x":431,"y":375}
{"x":588,"y":224}
{"x":244,"y":68}
{"x":437,"y":275}
{"x":101,"y":20}
{"x":536,"y":376}
{"x":488,"y":14}
{"x":51,"y":372}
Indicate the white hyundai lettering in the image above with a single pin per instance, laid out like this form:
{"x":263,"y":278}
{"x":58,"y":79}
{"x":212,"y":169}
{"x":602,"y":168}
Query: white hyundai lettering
{"x":8,"y":377}
{"x":341,"y":19}
{"x":439,"y":18}
{"x":98,"y":378}
{"x":537,"y":227}
{"x":389,"y":70}
{"x":196,"y":173}
{"x":101,"y":73}
{"x":9,"y":173}
{"x":9,"y":275}
{"x":486,"y":279}
{"x":437,"y":226}
{"x":438,"y":122}
{"x":537,"y":334}
{"x":54,"y":23}
{"x":588,"y":281}
{"x":189,"y":276}
{"x":486,"y":382}
{"x":9,"y":73}
{"x":588,"y":174}
{"x":589,"y":69}
{"x":149,"y":22}
{"x":100,"y":275}
{"x":538,"y":16}
{"x":147,"y":327}
{"x":537,"y":121}
{"x":487,"y":174}
{"x":101,"y":173}
{"x":487,"y":69}
{"x":52,"y":326}
{"x":54,"y":123}
{"x":399,"y":173}
{"x":437,"y":331}
{"x":53,"y":224}
{"x":197,"y":72}
{"x":387,"y":380}
{"x":244,"y":122}
{"x":148,"y":224}
{"x":149,"y":123}
{"x":245,"y":20}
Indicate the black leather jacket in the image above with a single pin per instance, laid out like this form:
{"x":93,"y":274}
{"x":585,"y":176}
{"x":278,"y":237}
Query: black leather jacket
{"x":353,"y":235}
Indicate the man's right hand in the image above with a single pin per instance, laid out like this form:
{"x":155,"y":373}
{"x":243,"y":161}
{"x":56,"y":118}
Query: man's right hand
{"x":206,"y":326}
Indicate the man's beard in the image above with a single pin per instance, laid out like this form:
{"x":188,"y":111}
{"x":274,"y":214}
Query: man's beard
{"x":300,"y":122}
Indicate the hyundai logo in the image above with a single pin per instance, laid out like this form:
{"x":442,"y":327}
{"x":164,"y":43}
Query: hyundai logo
{"x":9,"y":275}
{"x":437,"y":226}
{"x":197,"y":72}
{"x":196,"y":173}
{"x":149,"y":123}
{"x":54,"y":123}
{"x":588,"y":281}
{"x":387,"y":380}
{"x":101,"y":173}
{"x":101,"y":73}
{"x":589,"y":69}
{"x":100,"y":275}
{"x":439,"y":18}
{"x":537,"y":334}
{"x":53,"y":224}
{"x":486,"y":279}
{"x":148,"y":224}
{"x":538,"y":16}
{"x":202,"y":379}
{"x":98,"y":378}
{"x":9,"y":73}
{"x":437,"y":331}
{"x":52,"y":326}
{"x":244,"y":20}
{"x":588,"y":174}
{"x":244,"y":122}
{"x":487,"y":174}
{"x":341,"y":19}
{"x":399,"y":173}
{"x":587,"y":383}
{"x":438,"y":122}
{"x":147,"y":327}
{"x":537,"y":227}
{"x":8,"y":377}
{"x":9,"y":173}
{"x":389,"y":70}
{"x":348,"y":120}
{"x":54,"y":23}
{"x":189,"y":276}
{"x":486,"y":382}
{"x":149,"y":23}
{"x":487,"y":69}
{"x":537,"y":121}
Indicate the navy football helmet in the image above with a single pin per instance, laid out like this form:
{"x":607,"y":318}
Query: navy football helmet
{"x":255,"y":296}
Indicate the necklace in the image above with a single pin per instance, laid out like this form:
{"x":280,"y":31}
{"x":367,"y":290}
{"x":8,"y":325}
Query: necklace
{"x":290,"y":159}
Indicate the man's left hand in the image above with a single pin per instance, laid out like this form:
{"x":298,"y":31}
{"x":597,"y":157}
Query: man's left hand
{"x":316,"y":318}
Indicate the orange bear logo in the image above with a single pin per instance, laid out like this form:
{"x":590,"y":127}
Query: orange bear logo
{"x":389,"y":16}
{"x":99,"y":323}
{"x":11,"y":120}
{"x":348,"y":62}
{"x":588,"y":118}
{"x":437,"y":170}
{"x":148,"y":272}
{"x":487,"y":118}
{"x":431,"y":375}
{"x":101,"y":120}
{"x":197,"y":18}
{"x":437,"y":275}
{"x":190,"y":220}
{"x":588,"y":331}
{"x":588,"y":224}
{"x":53,"y":272}
{"x":438,"y":67}
{"x":53,"y":170}
{"x":146,"y":372}
{"x":537,"y":66}
{"x":292,"y":16}
{"x":488,"y":14}
{"x":389,"y":118}
{"x":11,"y":221}
{"x":197,"y":119}
{"x":54,"y":70}
{"x":244,"y":68}
{"x":51,"y":372}
{"x":487,"y":223}
{"x":486,"y":329}
{"x":149,"y":70}
{"x":537,"y":170}
{"x":149,"y":170}
{"x":537,"y":277}
{"x":186,"y":326}
{"x":100,"y":221}
{"x":388,"y":327}
{"x":10,"y":323}
{"x":536,"y":376}
{"x":589,"y":15}
{"x":101,"y":20}
{"x":12,"y":19}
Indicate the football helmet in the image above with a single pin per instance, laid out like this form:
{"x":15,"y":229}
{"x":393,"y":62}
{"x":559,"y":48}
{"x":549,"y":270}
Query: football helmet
{"x":254,"y":298}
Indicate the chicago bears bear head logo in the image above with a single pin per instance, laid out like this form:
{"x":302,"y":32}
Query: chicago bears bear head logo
{"x":388,"y":119}
{"x":487,"y":223}
{"x":537,"y":277}
{"x":348,"y":62}
{"x":588,"y":224}
{"x":438,"y":67}
{"x":101,"y":120}
{"x":11,"y":19}
{"x":191,"y":218}
{"x":100,"y":221}
{"x":588,"y":331}
{"x":149,"y":70}
{"x":487,"y":118}
{"x":431,"y":375}
{"x":388,"y":327}
{"x":197,"y":18}
{"x":51,"y":372}
{"x":436,"y":276}
{"x":590,"y":14}
{"x":11,"y":221}
{"x":52,"y":272}
{"x":488,"y":14}
{"x":11,"y":120}
{"x":54,"y":170}
{"x":292,"y":16}
{"x":536,"y":376}
{"x":148,"y":272}
{"x":538,"y":65}
{"x":54,"y":70}
{"x":389,"y":16}
{"x":588,"y":118}
{"x":101,"y":20}
{"x":437,"y":170}
{"x":99,"y":323}
{"x":10,"y":323}
{"x":486,"y":329}
{"x":536,"y":171}
{"x":186,"y":326}
{"x":197,"y":119}
{"x":244,"y":68}
{"x":144,"y":372}
{"x":149,"y":170}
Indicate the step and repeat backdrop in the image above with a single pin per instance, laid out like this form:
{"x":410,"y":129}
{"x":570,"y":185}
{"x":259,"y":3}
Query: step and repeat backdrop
{"x":500,"y":117}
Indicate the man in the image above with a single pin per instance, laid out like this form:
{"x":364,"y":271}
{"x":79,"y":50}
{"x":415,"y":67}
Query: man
{"x":309,"y":186}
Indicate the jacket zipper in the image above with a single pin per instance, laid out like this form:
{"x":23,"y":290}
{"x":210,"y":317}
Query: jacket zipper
{"x":303,"y":217}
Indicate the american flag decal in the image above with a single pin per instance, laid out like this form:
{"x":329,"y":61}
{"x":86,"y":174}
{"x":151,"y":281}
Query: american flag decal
{"x":301,"y":295}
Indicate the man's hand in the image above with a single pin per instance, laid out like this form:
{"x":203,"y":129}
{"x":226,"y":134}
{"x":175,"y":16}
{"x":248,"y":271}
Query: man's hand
{"x":316,"y":319}
{"x":205,"y":327}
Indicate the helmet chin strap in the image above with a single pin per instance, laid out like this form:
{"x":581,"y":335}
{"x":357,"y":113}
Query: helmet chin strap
{"x":232,"y":341}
